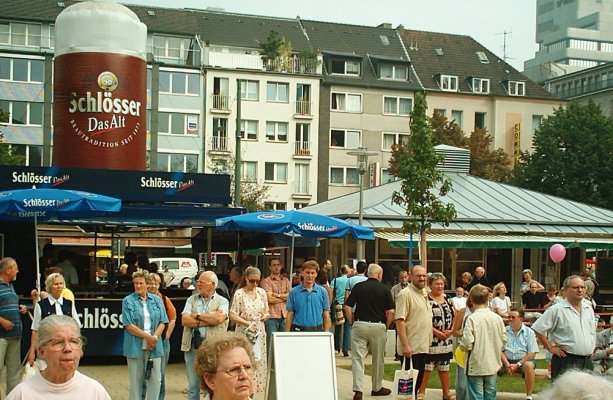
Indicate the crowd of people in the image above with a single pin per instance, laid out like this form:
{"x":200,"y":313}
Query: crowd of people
{"x":227,"y":332}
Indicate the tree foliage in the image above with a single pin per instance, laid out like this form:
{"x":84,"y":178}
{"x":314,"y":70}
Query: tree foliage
{"x":253,"y":194}
{"x":415,"y":163}
{"x":484,"y":162}
{"x":571,"y":156}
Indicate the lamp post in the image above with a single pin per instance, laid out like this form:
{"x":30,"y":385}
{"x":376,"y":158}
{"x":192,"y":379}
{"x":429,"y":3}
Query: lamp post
{"x":362,"y":154}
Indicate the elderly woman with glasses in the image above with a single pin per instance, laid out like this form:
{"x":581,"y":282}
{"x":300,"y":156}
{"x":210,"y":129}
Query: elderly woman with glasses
{"x":54,"y":303}
{"x":144,"y":319}
{"x":59,"y":343}
{"x":249,"y":310}
{"x":441,"y":348}
{"x":225,"y":365}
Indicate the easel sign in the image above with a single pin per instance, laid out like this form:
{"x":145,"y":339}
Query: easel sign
{"x":301,"y":366}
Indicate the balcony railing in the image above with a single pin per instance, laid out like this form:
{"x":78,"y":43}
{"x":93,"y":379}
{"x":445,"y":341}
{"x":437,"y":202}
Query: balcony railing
{"x":303,"y":107}
{"x":293,"y":65}
{"x":301,"y":188}
{"x":175,"y":56}
{"x":302,"y":148}
{"x":219,"y":143}
{"x":221,"y":102}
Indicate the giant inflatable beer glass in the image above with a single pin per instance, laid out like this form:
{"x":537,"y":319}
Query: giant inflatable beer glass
{"x":100,"y":87}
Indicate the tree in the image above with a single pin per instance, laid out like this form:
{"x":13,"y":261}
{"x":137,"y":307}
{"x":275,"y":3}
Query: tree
{"x":415,"y":162}
{"x":571,"y":156}
{"x":253,"y":194}
{"x":8,"y":156}
{"x":484,"y":162}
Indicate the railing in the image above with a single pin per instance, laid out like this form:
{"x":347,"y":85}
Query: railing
{"x":221,"y":102}
{"x":292,"y":65}
{"x":301,"y":187}
{"x":303,"y":107}
{"x":302,"y":148}
{"x":219,"y":143}
{"x":175,"y":56}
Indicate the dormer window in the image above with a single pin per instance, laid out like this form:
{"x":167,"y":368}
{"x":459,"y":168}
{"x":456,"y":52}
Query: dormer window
{"x":516,"y":88}
{"x":480,"y":85}
{"x":393,"y":72}
{"x":449,"y":83}
{"x":345,"y":67}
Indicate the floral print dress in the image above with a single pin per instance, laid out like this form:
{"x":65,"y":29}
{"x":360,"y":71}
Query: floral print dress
{"x":250,"y":307}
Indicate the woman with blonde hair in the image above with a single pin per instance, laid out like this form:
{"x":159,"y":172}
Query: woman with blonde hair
{"x":248,"y":311}
{"x":501,"y":303}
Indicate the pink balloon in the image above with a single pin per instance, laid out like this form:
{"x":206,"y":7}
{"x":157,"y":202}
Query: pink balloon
{"x":557,"y":252}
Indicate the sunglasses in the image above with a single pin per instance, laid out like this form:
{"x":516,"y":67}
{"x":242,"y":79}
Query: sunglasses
{"x":254,"y":281}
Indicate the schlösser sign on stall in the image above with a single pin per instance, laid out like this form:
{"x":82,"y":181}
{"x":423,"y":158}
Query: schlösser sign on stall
{"x":100,"y":88}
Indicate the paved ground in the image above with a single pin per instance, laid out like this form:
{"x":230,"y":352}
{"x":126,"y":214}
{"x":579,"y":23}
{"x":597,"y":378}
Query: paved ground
{"x":115,"y":379}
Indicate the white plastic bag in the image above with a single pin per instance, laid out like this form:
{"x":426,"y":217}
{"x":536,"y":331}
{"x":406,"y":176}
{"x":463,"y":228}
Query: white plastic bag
{"x":28,"y":371}
{"x":404,"y":383}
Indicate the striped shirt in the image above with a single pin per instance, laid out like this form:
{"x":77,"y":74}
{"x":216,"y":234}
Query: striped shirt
{"x":9,"y":309}
{"x":520,"y":345}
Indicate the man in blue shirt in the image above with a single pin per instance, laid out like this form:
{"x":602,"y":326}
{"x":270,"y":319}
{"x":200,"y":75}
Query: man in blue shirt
{"x":308,"y":304}
{"x":10,"y":322}
{"x":520,"y":350}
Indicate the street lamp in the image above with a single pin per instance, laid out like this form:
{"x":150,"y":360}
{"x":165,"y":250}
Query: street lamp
{"x":362,"y":154}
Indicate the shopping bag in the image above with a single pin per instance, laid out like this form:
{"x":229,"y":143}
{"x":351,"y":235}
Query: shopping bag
{"x":460,"y":357}
{"x":28,"y":371}
{"x":404,"y":382}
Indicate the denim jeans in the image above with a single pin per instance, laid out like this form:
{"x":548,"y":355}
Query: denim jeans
{"x":10,"y":354}
{"x":460,"y":384}
{"x":481,"y":387}
{"x":166,"y":345}
{"x":136,"y":372}
{"x":273,"y":325}
{"x":342,"y":335}
{"x":193,"y":382}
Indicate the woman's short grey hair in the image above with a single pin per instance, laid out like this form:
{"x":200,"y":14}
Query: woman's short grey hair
{"x":52,"y":323}
{"x":574,"y":384}
{"x":51,"y":278}
{"x":252,"y":271}
{"x":140,"y":274}
{"x":435,"y":276}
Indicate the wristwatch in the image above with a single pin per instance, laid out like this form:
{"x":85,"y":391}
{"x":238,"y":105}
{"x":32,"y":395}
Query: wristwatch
{"x":198,"y":317}
{"x":519,"y":364}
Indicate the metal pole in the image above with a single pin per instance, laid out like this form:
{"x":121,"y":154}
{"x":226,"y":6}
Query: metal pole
{"x":360,"y":243}
{"x":237,"y":156}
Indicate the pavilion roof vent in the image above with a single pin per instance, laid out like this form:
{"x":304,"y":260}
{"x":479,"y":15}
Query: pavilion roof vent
{"x":456,"y":159}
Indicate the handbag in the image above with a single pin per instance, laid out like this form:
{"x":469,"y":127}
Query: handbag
{"x":336,"y":311}
{"x":404,"y":382}
{"x":28,"y":371}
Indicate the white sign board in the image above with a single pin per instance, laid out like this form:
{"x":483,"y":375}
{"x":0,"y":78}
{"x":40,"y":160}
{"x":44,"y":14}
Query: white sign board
{"x":301,"y":366}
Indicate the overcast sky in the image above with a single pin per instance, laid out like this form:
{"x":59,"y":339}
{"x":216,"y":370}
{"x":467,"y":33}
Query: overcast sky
{"x":484,"y":20}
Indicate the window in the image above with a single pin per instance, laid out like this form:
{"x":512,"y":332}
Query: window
{"x":277,"y":91}
{"x":449,"y":83}
{"x":397,"y":105}
{"x":458,"y":117}
{"x":174,"y":48}
{"x":303,"y":144}
{"x":276,"y":131}
{"x":21,"y":70}
{"x":517,"y":88}
{"x":481,"y":85}
{"x":386,"y":177}
{"x":275,"y":172}
{"x":23,"y":113}
{"x":269,"y":205}
{"x":391,"y":139}
{"x":346,"y":102}
{"x":250,"y":90}
{"x":440,"y":112}
{"x":30,"y":155}
{"x":303,"y":99}
{"x":393,"y":72}
{"x":250,"y":171}
{"x":298,"y":206}
{"x":178,"y":123}
{"x":17,"y":34}
{"x":249,"y":129}
{"x":344,"y":176}
{"x":345,"y":67}
{"x":179,"y":83}
{"x":482,"y":57}
{"x":480,"y":120}
{"x":301,"y":185}
{"x":176,"y":162}
{"x":536,"y":122}
{"x":343,"y":138}
{"x":220,"y":134}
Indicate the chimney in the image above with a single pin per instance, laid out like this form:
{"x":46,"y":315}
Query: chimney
{"x":386,"y":25}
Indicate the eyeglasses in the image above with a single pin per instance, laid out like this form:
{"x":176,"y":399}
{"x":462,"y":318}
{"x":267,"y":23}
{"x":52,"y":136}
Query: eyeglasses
{"x":254,"y":281}
{"x":577,"y":287}
{"x":75,"y":343}
{"x":513,"y":317}
{"x":236,"y":371}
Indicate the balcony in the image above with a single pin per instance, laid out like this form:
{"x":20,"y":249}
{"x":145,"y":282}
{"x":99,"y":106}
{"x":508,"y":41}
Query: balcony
{"x":300,"y":190}
{"x":219,"y":146}
{"x":220,"y":103}
{"x":292,"y":65}
{"x":303,"y":109}
{"x":174,"y":56}
{"x":302,"y":150}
